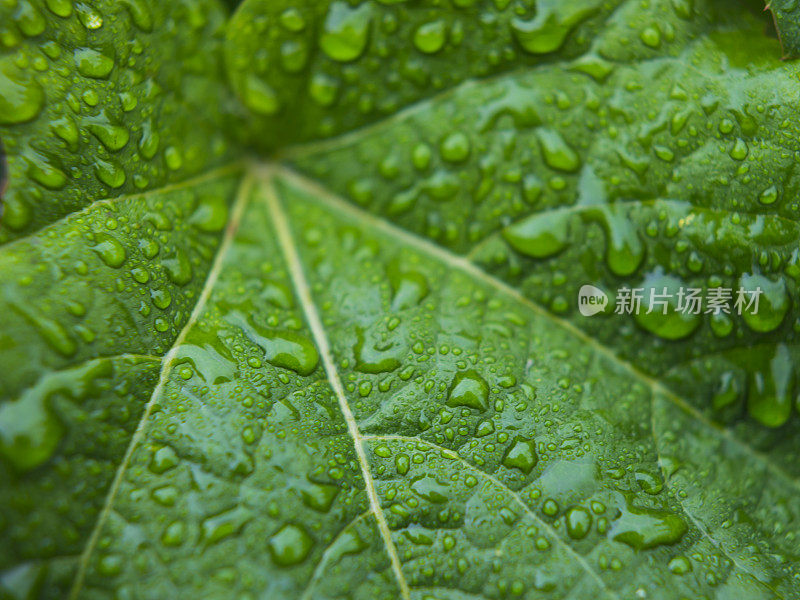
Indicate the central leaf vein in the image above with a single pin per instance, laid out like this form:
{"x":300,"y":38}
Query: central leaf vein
{"x":303,"y":291}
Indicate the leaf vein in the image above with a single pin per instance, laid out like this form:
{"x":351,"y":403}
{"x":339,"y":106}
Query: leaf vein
{"x":238,"y":210}
{"x":303,"y":291}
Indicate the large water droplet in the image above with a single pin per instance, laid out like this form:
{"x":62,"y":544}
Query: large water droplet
{"x":113,"y":137}
{"x":110,"y":250}
{"x":225,"y":524}
{"x":374,"y":358}
{"x":346,"y":31}
{"x":53,"y":332}
{"x":29,"y":433}
{"x":773,"y":302}
{"x":554,"y":21}
{"x":644,"y":528}
{"x":430,"y":37}
{"x":556,"y":152}
{"x":319,"y":497}
{"x":211,"y":214}
{"x":469,"y":389}
{"x":179,"y":268}
{"x":140,"y":13}
{"x":771,"y":389}
{"x":259,"y":96}
{"x":289,"y":350}
{"x":409,"y":286}
{"x":290,"y":545}
{"x":579,"y":521}
{"x":540,"y":235}
{"x":430,"y":489}
{"x":521,"y":455}
{"x":665,"y":320}
{"x":21,"y":97}
{"x":625,"y":251}
{"x":94,"y":64}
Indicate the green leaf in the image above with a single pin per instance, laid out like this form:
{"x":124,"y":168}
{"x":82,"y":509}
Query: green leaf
{"x":120,"y":178}
{"x":787,"y":17}
{"x":357,"y":369}
{"x":104,"y":99}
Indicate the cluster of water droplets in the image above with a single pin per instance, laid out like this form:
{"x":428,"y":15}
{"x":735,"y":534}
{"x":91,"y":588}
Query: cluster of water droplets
{"x":85,"y":116}
{"x":590,"y":172}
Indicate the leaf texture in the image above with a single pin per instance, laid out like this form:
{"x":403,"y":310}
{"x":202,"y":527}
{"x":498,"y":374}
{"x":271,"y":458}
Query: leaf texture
{"x":356,"y":370}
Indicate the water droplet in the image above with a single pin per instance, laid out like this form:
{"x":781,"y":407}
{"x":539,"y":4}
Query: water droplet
{"x":408,"y":286}
{"x":773,"y":302}
{"x":430,"y":37}
{"x":288,"y":350}
{"x":21,"y":97}
{"x":52,"y":331}
{"x":469,"y":389}
{"x":650,"y":37}
{"x":430,"y":489}
{"x":173,"y":158}
{"x":521,"y":455}
{"x":739,"y":150}
{"x":174,"y":534}
{"x":29,"y":432}
{"x":165,"y":495}
{"x":140,"y":13}
{"x":163,"y":460}
{"x":540,"y":235}
{"x":179,"y":268}
{"x":323,"y":89}
{"x":769,"y":195}
{"x":455,"y":147}
{"x":290,"y":545}
{"x":292,"y":20}
{"x":320,"y":496}
{"x":113,"y":137}
{"x":110,"y":565}
{"x":680,"y":565}
{"x":110,"y":173}
{"x":30,"y":20}
{"x":259,"y":96}
{"x":150,"y":140}
{"x":402,"y":463}
{"x":625,"y":251}
{"x":110,"y":250}
{"x":94,"y":64}
{"x":579,"y":522}
{"x":294,"y":55}
{"x":346,"y":31}
{"x":46,"y":174}
{"x":556,"y":152}
{"x":90,"y":17}
{"x":211,"y":214}
{"x":644,"y":528}
{"x":771,"y":389}
{"x":665,"y":320}
{"x":225,"y":524}
{"x":161,"y":298}
{"x":554,"y":21}
{"x":375,"y":358}
{"x":60,"y":8}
